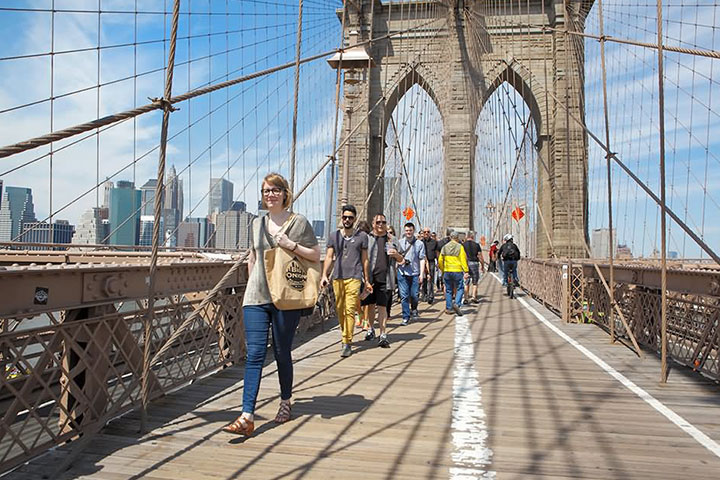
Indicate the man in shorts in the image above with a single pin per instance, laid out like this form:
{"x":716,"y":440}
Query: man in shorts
{"x":476,"y":263}
{"x":382,"y":253}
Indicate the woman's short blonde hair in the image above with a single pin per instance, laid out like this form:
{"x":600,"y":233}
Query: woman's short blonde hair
{"x":277,"y":180}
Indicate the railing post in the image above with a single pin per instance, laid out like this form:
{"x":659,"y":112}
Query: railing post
{"x":566,"y":292}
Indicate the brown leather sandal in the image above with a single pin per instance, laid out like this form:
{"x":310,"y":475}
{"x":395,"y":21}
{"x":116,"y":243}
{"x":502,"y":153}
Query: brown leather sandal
{"x":283,"y":414}
{"x":241,"y":426}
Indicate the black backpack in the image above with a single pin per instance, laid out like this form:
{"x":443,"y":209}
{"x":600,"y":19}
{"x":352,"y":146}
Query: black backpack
{"x":511,"y":252}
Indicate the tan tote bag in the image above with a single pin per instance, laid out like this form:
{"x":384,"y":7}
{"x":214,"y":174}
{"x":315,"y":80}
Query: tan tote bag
{"x":293,"y":281}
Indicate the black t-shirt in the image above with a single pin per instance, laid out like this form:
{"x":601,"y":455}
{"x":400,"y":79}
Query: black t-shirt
{"x":379,"y":272}
{"x":472,"y":249}
{"x":442,"y":242}
{"x":431,"y":249}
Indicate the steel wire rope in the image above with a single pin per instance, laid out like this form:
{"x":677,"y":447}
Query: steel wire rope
{"x":707,"y":138}
{"x":207,"y":149}
{"x":690,"y":134}
{"x":149,"y":72}
{"x":134,"y":162}
{"x":156,"y":105}
{"x":258,"y":163}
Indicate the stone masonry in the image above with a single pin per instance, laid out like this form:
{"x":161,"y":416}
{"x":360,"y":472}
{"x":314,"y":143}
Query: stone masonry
{"x":460,"y":54}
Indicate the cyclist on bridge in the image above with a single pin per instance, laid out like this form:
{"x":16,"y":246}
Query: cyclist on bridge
{"x":510,"y":254}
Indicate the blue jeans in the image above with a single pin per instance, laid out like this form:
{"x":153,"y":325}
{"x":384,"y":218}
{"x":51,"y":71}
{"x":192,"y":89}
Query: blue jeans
{"x":453,"y":280}
{"x":258,"y":319}
{"x":507,"y":266}
{"x":409,"y":286}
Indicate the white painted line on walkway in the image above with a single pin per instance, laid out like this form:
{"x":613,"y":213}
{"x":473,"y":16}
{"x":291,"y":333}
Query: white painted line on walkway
{"x":471,"y":454}
{"x":668,"y":413}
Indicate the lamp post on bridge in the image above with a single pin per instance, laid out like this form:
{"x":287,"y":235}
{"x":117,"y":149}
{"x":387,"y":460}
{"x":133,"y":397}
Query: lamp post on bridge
{"x":490,"y":215}
{"x":354,"y":61}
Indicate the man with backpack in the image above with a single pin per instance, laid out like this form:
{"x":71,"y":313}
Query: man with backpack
{"x":510,"y":254}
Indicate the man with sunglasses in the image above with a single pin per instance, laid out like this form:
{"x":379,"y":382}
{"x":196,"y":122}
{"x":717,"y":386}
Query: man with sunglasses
{"x":383,"y":254}
{"x":349,"y":248}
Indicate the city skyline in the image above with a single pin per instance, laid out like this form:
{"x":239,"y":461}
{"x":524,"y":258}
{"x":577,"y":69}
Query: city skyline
{"x":126,"y":217}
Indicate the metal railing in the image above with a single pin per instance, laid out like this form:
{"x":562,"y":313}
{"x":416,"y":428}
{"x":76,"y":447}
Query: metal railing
{"x":72,"y":356}
{"x":573,"y":289}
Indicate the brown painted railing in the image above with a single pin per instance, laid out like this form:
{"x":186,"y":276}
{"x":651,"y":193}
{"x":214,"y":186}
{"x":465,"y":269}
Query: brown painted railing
{"x":72,"y":342}
{"x":573,"y":288}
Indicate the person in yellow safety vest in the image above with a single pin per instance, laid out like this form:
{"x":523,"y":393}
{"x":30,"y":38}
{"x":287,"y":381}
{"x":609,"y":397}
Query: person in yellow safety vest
{"x":453,"y":264}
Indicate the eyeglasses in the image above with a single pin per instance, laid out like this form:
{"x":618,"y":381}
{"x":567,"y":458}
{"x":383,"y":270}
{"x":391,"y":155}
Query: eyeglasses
{"x":271,"y":191}
{"x":380,"y":222}
{"x":348,"y":217}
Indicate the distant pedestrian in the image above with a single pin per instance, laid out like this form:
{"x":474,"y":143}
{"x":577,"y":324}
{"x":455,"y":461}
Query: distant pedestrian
{"x":492,"y":267}
{"x":431,"y":253}
{"x":454,"y":267}
{"x":441,"y":243}
{"x":409,"y":278}
{"x":259,"y":313}
{"x":383,"y":254}
{"x":476,"y":264}
{"x":348,"y":248}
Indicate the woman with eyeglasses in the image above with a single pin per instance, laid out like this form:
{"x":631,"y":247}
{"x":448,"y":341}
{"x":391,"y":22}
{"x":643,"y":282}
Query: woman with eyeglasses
{"x":259,"y":313}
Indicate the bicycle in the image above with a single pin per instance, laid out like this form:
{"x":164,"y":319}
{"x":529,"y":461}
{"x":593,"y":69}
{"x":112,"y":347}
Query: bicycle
{"x":510,"y":273}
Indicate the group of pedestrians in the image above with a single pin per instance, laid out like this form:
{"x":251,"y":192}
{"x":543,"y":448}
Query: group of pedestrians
{"x":366,"y":266}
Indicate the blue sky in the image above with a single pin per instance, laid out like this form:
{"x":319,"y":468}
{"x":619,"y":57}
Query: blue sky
{"x":259,"y":35}
{"x":236,"y":38}
{"x":692,"y":124}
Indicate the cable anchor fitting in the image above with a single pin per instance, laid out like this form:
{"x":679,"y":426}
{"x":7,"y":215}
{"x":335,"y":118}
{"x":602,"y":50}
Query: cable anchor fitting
{"x":164,"y":103}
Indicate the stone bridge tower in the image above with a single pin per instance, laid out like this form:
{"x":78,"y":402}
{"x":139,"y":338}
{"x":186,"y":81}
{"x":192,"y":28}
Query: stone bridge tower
{"x":459,"y":54}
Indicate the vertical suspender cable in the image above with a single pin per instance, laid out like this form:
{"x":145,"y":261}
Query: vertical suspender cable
{"x":159,"y":187}
{"x":51,"y":236}
{"x":609,"y":173}
{"x":663,"y":204}
{"x":333,"y":163}
{"x":298,"y":48}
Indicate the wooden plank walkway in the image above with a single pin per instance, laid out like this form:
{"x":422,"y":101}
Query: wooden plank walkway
{"x":495,"y":393}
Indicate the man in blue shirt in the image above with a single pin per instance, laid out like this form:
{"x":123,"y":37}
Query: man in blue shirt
{"x":409,"y":278}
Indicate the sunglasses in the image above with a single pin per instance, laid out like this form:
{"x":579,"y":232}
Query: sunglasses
{"x":381,"y":222}
{"x":348,"y":217}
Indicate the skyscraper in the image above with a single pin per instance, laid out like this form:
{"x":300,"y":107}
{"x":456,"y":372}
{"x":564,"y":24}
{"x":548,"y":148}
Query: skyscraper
{"x":148,"y":197}
{"x":43,"y":232}
{"x":124,"y":214}
{"x":92,"y":230}
{"x":107,"y":186}
{"x":600,"y":242}
{"x":193,"y":232}
{"x":147,"y":222}
{"x":172,"y":206}
{"x":233,"y":230}
{"x":221,"y":195}
{"x":16,"y":209}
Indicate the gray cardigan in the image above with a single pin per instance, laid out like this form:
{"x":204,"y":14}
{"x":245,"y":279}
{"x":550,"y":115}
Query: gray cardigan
{"x":372,"y":256}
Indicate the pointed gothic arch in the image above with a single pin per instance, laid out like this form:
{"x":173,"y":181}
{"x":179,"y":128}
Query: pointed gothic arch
{"x":414,"y":76}
{"x":523,"y":82}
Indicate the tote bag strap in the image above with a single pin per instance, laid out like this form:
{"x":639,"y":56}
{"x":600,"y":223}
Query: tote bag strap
{"x":283,"y":228}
